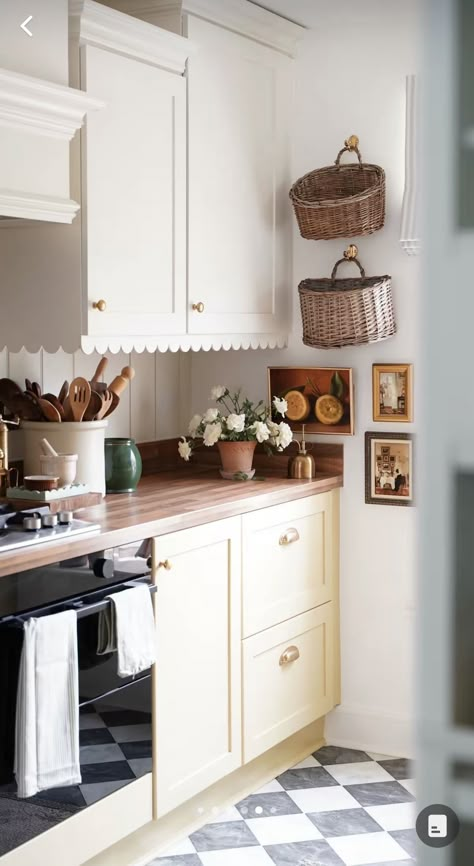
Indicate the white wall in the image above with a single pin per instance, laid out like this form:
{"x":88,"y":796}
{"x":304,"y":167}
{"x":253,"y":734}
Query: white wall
{"x":149,"y":409}
{"x":351,"y":79}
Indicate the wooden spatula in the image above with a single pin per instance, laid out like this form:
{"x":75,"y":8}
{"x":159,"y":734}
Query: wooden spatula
{"x":107,"y":405}
{"x":49,"y":411}
{"x":95,"y":405}
{"x":79,"y":396}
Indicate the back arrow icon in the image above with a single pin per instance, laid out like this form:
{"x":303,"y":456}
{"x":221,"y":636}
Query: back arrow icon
{"x":24,"y":27}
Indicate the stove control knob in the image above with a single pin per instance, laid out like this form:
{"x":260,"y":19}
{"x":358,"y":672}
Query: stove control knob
{"x":49,"y":521}
{"x":32,"y":523}
{"x":65,"y":518}
{"x":103,"y":567}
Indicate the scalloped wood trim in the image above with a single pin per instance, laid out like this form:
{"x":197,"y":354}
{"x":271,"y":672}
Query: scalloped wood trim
{"x":21,"y":205}
{"x":178,"y":343}
{"x":42,"y":107}
{"x":237,"y":15}
{"x":98,"y":25}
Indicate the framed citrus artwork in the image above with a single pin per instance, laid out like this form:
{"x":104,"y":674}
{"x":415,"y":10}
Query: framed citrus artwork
{"x":321,"y":398}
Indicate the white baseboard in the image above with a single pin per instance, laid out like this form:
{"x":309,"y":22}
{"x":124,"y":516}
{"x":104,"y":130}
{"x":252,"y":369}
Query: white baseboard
{"x":370,"y":729}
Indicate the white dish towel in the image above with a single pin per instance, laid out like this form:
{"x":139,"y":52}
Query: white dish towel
{"x":128,"y":626}
{"x":47,"y":710}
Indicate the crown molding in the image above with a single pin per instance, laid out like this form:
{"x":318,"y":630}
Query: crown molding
{"x":241,"y":16}
{"x":95,"y":24}
{"x":42,"y":107}
{"x":25,"y":206}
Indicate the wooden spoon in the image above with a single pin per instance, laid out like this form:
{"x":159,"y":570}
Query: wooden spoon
{"x":51,"y":398}
{"x":107,"y":400}
{"x":115,"y":402}
{"x":36,"y":389}
{"x":79,"y":397}
{"x":95,"y":405}
{"x":49,"y":411}
{"x":63,"y":392}
{"x":22,"y":404}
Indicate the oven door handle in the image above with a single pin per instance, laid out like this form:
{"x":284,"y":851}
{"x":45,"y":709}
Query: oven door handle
{"x":83,"y":610}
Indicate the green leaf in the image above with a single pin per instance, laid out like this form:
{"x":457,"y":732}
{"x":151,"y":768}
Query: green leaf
{"x":336,"y":388}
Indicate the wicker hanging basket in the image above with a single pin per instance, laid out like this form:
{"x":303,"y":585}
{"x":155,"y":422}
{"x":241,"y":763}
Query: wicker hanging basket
{"x":340,"y":201}
{"x":346,"y":312}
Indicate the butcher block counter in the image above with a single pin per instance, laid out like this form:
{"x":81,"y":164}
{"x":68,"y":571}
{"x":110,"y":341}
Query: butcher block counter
{"x":177,"y":499}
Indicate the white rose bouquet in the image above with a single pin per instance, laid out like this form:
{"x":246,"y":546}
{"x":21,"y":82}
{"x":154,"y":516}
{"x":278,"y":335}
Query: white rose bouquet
{"x":237,"y":419}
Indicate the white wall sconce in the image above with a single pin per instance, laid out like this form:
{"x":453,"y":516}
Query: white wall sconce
{"x":410,"y":223}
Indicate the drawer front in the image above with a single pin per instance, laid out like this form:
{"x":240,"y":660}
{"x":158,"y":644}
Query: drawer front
{"x":288,"y":561}
{"x":292,"y":664}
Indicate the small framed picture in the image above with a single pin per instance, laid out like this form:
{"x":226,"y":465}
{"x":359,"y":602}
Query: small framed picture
{"x":392,"y":386}
{"x":388,"y":477}
{"x":321,"y":398}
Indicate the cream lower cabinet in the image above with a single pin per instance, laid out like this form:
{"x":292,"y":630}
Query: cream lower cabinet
{"x":197,"y":736}
{"x":229,"y":687}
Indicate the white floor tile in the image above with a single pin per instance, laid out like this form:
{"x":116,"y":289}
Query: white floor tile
{"x":308,"y":762}
{"x":270,"y":788}
{"x":396,"y":816}
{"x":409,"y":784}
{"x":323,"y":799}
{"x":367,"y":848}
{"x":283,"y":829}
{"x":185,"y":846}
{"x":358,"y":773}
{"x":219,"y":816}
{"x":236,"y":857}
{"x":131,"y":733}
{"x":141,"y":766}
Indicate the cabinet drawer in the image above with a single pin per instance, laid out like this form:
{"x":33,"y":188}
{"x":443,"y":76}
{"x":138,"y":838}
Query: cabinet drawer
{"x":292,"y":665}
{"x":288,"y":561}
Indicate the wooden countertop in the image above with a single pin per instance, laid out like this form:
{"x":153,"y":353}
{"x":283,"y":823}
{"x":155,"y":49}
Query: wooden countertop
{"x":166,"y":502}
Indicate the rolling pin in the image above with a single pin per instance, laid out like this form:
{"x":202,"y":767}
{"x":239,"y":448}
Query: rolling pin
{"x":120,"y":382}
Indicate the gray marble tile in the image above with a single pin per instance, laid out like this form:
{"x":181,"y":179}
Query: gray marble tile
{"x":267,"y":805}
{"x":307,"y":777}
{"x":226,"y":834}
{"x":95,"y":736}
{"x":379,"y":793}
{"x":313,"y":853}
{"x":338,"y":755}
{"x":399,"y":768}
{"x":93,"y":793}
{"x":344,"y":822}
{"x":407,"y":840}
{"x":141,"y":766}
{"x":111,"y":771}
{"x":101,"y":754}
{"x":180,"y":860}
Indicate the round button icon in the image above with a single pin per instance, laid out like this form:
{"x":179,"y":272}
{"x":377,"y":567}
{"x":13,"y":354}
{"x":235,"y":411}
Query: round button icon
{"x":437,"y":826}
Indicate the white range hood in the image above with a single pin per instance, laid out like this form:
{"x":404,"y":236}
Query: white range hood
{"x":38,"y":119}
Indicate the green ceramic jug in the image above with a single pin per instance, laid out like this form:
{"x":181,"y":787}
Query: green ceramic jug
{"x":123,"y":465}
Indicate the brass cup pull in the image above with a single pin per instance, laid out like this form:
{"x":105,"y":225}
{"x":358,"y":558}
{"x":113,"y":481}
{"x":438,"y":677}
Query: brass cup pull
{"x":166,"y":564}
{"x":99,"y":305}
{"x":291,"y":654}
{"x":290,"y":536}
{"x":198,"y":308}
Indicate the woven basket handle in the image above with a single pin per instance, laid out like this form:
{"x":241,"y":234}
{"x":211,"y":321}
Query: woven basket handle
{"x":350,"y":144}
{"x":350,"y":255}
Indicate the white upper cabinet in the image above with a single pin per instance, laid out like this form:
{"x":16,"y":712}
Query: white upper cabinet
{"x":184,"y":239}
{"x":134,"y":227}
{"x":239,"y":220}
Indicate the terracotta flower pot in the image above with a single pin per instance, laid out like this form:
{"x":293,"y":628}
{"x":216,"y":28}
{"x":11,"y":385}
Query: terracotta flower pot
{"x":236,"y":457}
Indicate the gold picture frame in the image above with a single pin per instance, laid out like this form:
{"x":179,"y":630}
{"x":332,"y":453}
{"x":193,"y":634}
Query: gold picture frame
{"x":392,"y":392}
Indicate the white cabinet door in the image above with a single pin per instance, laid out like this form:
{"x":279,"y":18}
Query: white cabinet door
{"x":238,"y":166}
{"x":197,"y":735}
{"x":134,"y":197}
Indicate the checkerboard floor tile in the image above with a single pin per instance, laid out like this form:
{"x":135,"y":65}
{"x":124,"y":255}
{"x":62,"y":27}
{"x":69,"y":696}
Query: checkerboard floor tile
{"x":115,"y":748}
{"x":338,"y":807}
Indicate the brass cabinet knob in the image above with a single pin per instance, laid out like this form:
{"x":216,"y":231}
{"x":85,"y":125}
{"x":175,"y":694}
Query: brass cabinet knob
{"x":166,"y":564}
{"x":291,"y":654}
{"x":99,"y":305}
{"x":289,"y":537}
{"x":198,"y":308}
